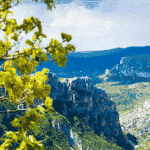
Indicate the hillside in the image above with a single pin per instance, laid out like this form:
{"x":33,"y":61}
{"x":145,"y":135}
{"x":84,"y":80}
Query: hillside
{"x":91,"y":63}
{"x":56,"y":138}
{"x":83,"y":109}
{"x":90,"y":113}
{"x":131,"y":69}
{"x":132,"y":102}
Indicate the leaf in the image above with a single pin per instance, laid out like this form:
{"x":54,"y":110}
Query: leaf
{"x":61,"y":61}
{"x":15,"y":123}
{"x":34,"y":38}
{"x":41,"y":109}
{"x":26,"y":87}
{"x":22,"y":145}
{"x":2,"y":147}
{"x":70,"y":47}
{"x":48,"y":103}
{"x":12,"y":135}
{"x":14,"y":37}
{"x":29,"y":42}
{"x":44,"y":57}
{"x":66,"y":37}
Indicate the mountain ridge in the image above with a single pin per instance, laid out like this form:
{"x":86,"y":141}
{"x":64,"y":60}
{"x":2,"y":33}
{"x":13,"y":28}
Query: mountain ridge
{"x":92,"y":63}
{"x":131,"y":69}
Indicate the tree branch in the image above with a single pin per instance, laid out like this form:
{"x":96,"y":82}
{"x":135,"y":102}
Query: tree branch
{"x":11,"y":58}
{"x":11,"y":6}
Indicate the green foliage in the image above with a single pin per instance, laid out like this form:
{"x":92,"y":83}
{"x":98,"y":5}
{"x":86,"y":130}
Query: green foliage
{"x":90,"y":139}
{"x":6,"y":103}
{"x":50,"y":137}
{"x":3,"y":128}
{"x":25,"y":87}
{"x":55,"y":139}
{"x":66,"y":37}
{"x":136,"y":95}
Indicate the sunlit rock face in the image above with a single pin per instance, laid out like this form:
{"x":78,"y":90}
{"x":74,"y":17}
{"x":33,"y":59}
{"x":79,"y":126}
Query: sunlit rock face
{"x":131,"y":68}
{"x":73,"y":138}
{"x":78,"y":97}
{"x":138,"y":123}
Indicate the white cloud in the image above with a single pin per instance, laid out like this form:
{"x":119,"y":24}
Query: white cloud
{"x":112,"y":24}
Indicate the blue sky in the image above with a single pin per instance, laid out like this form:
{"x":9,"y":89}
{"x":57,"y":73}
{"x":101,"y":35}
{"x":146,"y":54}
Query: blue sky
{"x":94,"y":25}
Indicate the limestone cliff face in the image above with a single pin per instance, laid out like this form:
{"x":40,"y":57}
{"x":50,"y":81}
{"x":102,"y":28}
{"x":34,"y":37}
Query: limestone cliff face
{"x":91,"y":105}
{"x":79,"y":98}
{"x":133,"y":68}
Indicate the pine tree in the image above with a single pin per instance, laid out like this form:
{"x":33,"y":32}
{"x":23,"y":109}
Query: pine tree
{"x":25,"y":88}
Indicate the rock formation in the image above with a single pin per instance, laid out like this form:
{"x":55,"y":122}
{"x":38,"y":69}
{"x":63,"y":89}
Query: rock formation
{"x":90,"y":104}
{"x":93,"y":106}
{"x":131,"y":69}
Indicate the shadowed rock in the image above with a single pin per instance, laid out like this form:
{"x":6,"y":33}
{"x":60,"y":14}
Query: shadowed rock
{"x":80,"y":98}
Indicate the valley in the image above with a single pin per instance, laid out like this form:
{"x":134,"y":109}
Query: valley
{"x":130,"y":96}
{"x":132,"y":104}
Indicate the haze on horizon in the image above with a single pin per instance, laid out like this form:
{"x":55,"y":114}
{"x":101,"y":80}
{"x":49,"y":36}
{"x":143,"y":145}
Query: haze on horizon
{"x":94,"y":25}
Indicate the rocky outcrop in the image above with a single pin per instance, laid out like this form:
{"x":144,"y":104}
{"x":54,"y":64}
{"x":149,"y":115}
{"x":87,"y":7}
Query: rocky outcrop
{"x":131,"y":69}
{"x":79,"y":98}
{"x":138,"y":122}
{"x":63,"y":125}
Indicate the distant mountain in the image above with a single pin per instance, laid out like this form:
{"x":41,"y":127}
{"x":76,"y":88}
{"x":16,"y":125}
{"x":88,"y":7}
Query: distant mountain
{"x":131,"y":69}
{"x":92,"y":63}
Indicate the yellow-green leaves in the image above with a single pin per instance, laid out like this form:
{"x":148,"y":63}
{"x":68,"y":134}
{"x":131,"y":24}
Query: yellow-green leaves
{"x":32,"y":143}
{"x":14,"y":37}
{"x":30,"y":121}
{"x":4,"y":14}
{"x":1,"y":26}
{"x":39,"y":88}
{"x":41,"y":109}
{"x":26,"y":142}
{"x":1,"y":78}
{"x":36,"y":53}
{"x":48,"y":103}
{"x":34,"y":38}
{"x":15,"y":123}
{"x":10,"y":26}
{"x":70,"y":47}
{"x":43,"y":57}
{"x":61,"y":61}
{"x":27,"y":25}
{"x":9,"y":142}
{"x":29,"y":97}
{"x":30,"y":43}
{"x":12,"y":135}
{"x":27,"y":87}
{"x":22,"y":145}
{"x":66,"y":37}
{"x":5,"y":5}
{"x":24,"y":65}
{"x":4,"y":47}
{"x":58,"y":52}
{"x":13,"y":84}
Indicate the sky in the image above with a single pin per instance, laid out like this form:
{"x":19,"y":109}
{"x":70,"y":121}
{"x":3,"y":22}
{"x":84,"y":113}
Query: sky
{"x":94,"y":25}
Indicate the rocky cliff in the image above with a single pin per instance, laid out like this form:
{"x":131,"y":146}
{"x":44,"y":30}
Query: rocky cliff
{"x":78,"y":97}
{"x":93,"y":106}
{"x":138,"y":123}
{"x":131,"y":69}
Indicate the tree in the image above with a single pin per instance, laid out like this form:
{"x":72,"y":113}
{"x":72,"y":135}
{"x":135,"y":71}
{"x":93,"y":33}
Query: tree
{"x":25,"y":88}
